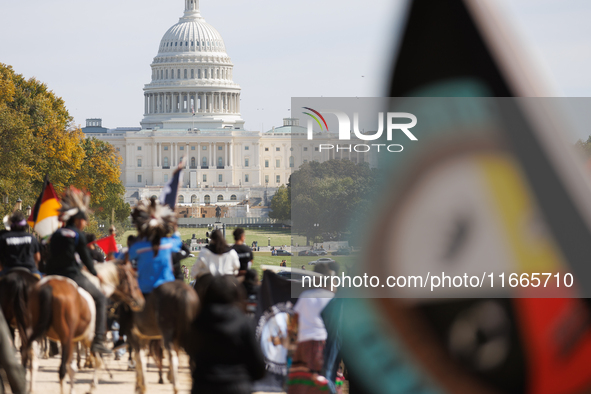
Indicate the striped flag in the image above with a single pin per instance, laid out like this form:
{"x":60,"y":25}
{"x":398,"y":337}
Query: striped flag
{"x":44,"y":217}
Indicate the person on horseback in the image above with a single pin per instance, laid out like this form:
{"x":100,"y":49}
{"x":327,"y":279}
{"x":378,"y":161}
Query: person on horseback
{"x":18,"y":249}
{"x":67,"y":245}
{"x":156,"y":244}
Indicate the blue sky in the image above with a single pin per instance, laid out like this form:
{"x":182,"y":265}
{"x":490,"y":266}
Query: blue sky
{"x":96,"y":55}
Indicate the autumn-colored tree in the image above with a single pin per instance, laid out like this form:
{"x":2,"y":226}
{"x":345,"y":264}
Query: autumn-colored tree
{"x":38,"y":138}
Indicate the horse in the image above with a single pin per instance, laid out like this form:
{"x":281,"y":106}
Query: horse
{"x":66,"y":313}
{"x":14,"y":297}
{"x":168,"y":313}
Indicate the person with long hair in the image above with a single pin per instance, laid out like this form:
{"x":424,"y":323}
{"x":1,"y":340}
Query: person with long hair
{"x":223,"y":347}
{"x":217,"y":258}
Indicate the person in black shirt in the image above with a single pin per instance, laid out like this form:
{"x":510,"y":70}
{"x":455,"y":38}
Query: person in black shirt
{"x":64,"y":244}
{"x":244,"y":252}
{"x":19,"y":249}
{"x":95,"y":252}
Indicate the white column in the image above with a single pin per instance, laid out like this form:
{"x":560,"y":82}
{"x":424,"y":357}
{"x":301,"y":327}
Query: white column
{"x":173,"y":154}
{"x":231,"y":153}
{"x":187,"y":156}
{"x":211,"y":154}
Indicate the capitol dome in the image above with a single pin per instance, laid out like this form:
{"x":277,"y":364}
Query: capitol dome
{"x":192,"y":82}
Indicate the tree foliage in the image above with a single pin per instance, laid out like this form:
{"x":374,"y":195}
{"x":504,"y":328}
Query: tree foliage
{"x":281,"y":204}
{"x":327,"y":196}
{"x":38,"y":138}
{"x":584,"y":147}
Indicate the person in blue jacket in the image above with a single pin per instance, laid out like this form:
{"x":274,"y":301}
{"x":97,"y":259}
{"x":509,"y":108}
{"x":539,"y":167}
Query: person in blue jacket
{"x":155,"y":245}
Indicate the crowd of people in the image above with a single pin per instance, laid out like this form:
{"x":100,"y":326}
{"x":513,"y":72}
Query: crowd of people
{"x":226,"y":356}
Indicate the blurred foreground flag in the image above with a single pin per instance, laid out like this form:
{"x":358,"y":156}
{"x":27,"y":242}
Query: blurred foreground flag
{"x":44,"y":217}
{"x":490,"y":188}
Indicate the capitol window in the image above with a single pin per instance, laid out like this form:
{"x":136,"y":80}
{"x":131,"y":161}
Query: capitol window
{"x":192,"y":73}
{"x":139,"y":179}
{"x":193,"y":147}
{"x":139,"y":148}
{"x":199,"y":74}
{"x":233,"y":197}
{"x":165,"y":162}
{"x":185,"y":73}
{"x":165,"y":178}
{"x":204,"y":147}
{"x":277,"y":149}
{"x":277,"y":163}
{"x":181,"y":147}
{"x":266,"y":149}
{"x":178,"y":73}
{"x":245,"y":162}
{"x":305,"y":149}
{"x":246,"y":148}
{"x":219,"y":147}
{"x":220,"y":197}
{"x":291,"y":161}
{"x":245,"y":177}
{"x":220,"y":178}
{"x":166,"y":148}
{"x":166,"y":74}
{"x":278,"y":179}
{"x":139,"y":162}
{"x":266,"y":163}
{"x":205,"y":180}
{"x":316,"y":149}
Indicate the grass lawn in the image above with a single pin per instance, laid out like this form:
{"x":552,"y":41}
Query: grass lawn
{"x":278,"y":236}
{"x":265,"y":258}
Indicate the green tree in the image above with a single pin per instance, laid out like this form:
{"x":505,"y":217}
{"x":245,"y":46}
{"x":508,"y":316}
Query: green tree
{"x":281,"y":204}
{"x":326,"y":197}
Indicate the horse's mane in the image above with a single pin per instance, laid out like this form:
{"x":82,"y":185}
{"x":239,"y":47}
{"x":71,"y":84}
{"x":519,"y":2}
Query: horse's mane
{"x":108,"y":271}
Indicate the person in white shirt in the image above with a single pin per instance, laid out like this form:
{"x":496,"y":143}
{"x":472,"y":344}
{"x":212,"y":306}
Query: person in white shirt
{"x":217,"y":258}
{"x":311,"y":336}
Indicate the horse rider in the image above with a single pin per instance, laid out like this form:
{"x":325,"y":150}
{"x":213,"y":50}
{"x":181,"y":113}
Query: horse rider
{"x":68,"y":243}
{"x":19,"y":249}
{"x":153,"y":251}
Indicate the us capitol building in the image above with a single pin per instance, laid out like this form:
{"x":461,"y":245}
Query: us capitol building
{"x":192,"y":109}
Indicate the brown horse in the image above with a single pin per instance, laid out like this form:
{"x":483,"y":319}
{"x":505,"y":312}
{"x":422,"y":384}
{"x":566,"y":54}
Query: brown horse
{"x":14,"y":297}
{"x":169,"y":311}
{"x":66,"y":313}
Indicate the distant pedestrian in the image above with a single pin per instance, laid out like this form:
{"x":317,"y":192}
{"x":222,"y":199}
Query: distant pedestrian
{"x":244,"y":252}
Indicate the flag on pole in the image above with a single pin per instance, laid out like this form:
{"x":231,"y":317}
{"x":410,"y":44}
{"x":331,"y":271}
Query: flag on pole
{"x":107,"y":244}
{"x":44,"y":217}
{"x":170,"y":191}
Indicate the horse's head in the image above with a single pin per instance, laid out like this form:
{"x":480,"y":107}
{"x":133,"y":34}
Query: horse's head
{"x":128,"y":289}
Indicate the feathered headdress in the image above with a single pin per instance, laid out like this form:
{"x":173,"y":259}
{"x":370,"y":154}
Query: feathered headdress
{"x":75,"y":204}
{"x":153,"y":221}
